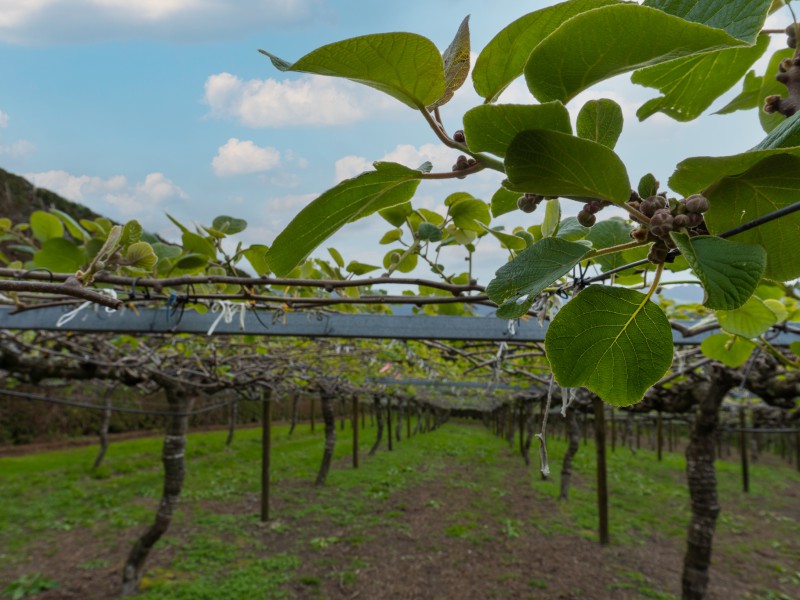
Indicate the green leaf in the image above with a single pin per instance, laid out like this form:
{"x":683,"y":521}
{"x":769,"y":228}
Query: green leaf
{"x":74,"y":228}
{"x":728,"y":270}
{"x":357,"y":268}
{"x":747,"y":98}
{"x":456,"y":63}
{"x":131,"y":233}
{"x":396,"y":215}
{"x":59,"y":255}
{"x":743,"y":19}
{"x":689,"y":85}
{"x":569,"y":229}
{"x":166,"y":250}
{"x":45,"y":226}
{"x":194,"y":243}
{"x":768,"y":186}
{"x":389,"y":185}
{"x":141,"y":255}
{"x":517,"y":283}
{"x":608,"y":233}
{"x":795,"y":348}
{"x":555,"y":164}
{"x":600,"y":121}
{"x":469,"y":214}
{"x":504,"y":57}
{"x":732,"y":351}
{"x":778,"y":309}
{"x":753,"y":319}
{"x":431,"y":216}
{"x":404,"y":264}
{"x":492,"y":127}
{"x":256,"y":255}
{"x":337,"y":257}
{"x":229,"y":225}
{"x":552,"y":217}
{"x":601,"y":43}
{"x":772,"y":87}
{"x":192,"y":262}
{"x":510,"y":241}
{"x":785,"y":135}
{"x":648,"y":186}
{"x":404,"y":65}
{"x":391,"y":236}
{"x":177,"y":223}
{"x":428,"y":232}
{"x":504,"y":201}
{"x":613,"y":341}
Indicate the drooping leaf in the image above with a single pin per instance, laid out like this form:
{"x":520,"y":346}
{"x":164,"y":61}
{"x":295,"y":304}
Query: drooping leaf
{"x":492,"y":127}
{"x":404,"y":65}
{"x":613,"y":341}
{"x":396,"y":215}
{"x":771,"y":87}
{"x":389,"y":185}
{"x":608,"y":233}
{"x":551,"y":163}
{"x":256,"y":255}
{"x":768,"y":186}
{"x":600,"y":121}
{"x":517,"y":283}
{"x":510,"y":241}
{"x":504,"y":201}
{"x":456,"y":63}
{"x":607,"y":41}
{"x":689,"y":85}
{"x":357,"y":268}
{"x":337,"y":257}
{"x":391,"y":236}
{"x":747,"y":98}
{"x":552,"y":217}
{"x":503,"y":58}
{"x":194,"y":243}
{"x":45,"y":226}
{"x":569,"y":229}
{"x":74,"y":228}
{"x":728,"y":270}
{"x":751,"y":320}
{"x":192,"y":262}
{"x":743,"y":19}
{"x":59,"y":255}
{"x":229,"y":225}
{"x":732,"y":351}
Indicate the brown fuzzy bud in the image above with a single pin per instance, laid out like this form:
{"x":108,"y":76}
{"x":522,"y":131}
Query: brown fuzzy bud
{"x":458,"y":136}
{"x":586,"y":218}
{"x":680,"y":221}
{"x":696,"y":203}
{"x":661,"y":223}
{"x":640,"y":234}
{"x":657,"y":254}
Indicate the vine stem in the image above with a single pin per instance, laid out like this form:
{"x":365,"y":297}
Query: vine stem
{"x":613,"y":249}
{"x":656,"y":279}
{"x":409,"y":251}
{"x":485,"y":160}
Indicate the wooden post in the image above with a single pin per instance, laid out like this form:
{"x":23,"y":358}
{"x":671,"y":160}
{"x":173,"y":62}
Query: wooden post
{"x":389,"y":420}
{"x":660,"y":435}
{"x":602,"y":476}
{"x":743,"y":451}
{"x":266,"y":452}
{"x":355,"y":432}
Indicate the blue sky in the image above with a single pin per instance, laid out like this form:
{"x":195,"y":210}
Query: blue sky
{"x":140,"y":108}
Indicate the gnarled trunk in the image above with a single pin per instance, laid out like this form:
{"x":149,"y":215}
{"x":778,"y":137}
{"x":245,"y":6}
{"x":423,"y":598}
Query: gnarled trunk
{"x":379,"y":421}
{"x":295,"y":401}
{"x":104,"y":425}
{"x":233,"y":416}
{"x":173,"y":458}
{"x":574,"y":438}
{"x":329,"y":418}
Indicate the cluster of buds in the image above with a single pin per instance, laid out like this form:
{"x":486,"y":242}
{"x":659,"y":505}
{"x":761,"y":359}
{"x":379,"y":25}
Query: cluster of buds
{"x":463,"y":163}
{"x":586,"y":216}
{"x":666,"y":216}
{"x":527,"y":203}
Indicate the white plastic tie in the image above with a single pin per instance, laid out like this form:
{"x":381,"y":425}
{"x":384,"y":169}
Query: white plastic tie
{"x":226,"y":310}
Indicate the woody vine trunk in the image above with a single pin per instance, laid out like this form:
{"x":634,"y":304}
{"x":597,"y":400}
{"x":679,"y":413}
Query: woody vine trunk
{"x":329,"y":418}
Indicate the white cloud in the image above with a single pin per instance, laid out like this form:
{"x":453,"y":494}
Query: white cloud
{"x":113,"y":196}
{"x":3,"y":119}
{"x":441,"y":157}
{"x":272,"y":103}
{"x":19,"y":149}
{"x":238,"y":157}
{"x":293,"y":202}
{"x":82,"y":21}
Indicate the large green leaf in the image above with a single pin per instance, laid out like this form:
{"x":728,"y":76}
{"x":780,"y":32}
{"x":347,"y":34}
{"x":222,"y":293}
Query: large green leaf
{"x":504,"y":57}
{"x":751,"y":320}
{"x":551,"y":163}
{"x":613,"y":341}
{"x":692,"y":83}
{"x":45,"y":226}
{"x":492,"y":127}
{"x":732,"y":351}
{"x":747,"y":98}
{"x":743,"y":19}
{"x":729,"y":271}
{"x":785,"y":135}
{"x":389,"y":185}
{"x":59,"y":256}
{"x":456,"y":63}
{"x":766,"y":187}
{"x":517,"y":283}
{"x":256,"y":255}
{"x":607,"y":41}
{"x":404,"y":65}
{"x":510,"y":241}
{"x":600,"y":121}
{"x":470,"y":214}
{"x":197,"y":244}
{"x":504,"y":201}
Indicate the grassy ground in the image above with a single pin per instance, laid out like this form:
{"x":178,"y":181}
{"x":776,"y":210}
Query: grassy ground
{"x":454,"y":494}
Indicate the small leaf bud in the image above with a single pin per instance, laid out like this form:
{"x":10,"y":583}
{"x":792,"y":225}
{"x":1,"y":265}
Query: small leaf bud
{"x":459,"y":137}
